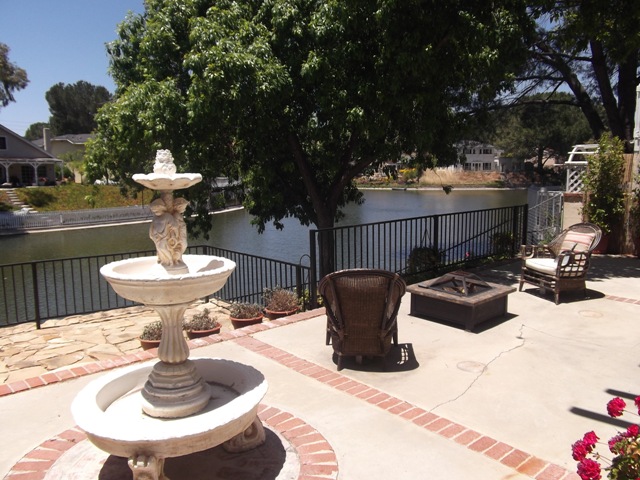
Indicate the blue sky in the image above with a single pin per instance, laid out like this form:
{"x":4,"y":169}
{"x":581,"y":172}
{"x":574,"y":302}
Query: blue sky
{"x":57,"y":41}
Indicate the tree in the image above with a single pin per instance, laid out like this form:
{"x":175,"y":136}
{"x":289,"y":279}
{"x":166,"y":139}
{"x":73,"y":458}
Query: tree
{"x":73,"y":107}
{"x":542,"y":124}
{"x":298,"y":96}
{"x":34,"y":132}
{"x":12,"y":77}
{"x":592,"y":48}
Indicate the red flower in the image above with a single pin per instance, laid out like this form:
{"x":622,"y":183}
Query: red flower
{"x":632,"y":431}
{"x":589,"y":470}
{"x":590,"y":439}
{"x":615,"y":407}
{"x":579,"y":450}
{"x":613,"y":442}
{"x":637,"y":402}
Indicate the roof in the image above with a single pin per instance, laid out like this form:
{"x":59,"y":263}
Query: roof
{"x":74,"y":138}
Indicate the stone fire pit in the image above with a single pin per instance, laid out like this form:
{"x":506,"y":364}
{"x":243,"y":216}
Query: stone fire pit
{"x":460,"y":298}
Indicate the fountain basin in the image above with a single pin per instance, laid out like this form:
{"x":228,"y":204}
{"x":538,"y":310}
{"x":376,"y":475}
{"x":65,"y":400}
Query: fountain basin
{"x":108,"y":410}
{"x":145,"y":281}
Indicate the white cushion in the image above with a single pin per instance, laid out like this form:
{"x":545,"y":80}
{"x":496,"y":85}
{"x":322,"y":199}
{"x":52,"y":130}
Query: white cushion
{"x":543,"y":265}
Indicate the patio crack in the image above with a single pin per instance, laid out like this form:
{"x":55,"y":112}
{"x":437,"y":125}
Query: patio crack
{"x":520,"y":336}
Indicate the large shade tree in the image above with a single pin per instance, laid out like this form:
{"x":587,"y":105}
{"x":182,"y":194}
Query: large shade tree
{"x":298,"y":97}
{"x":542,"y":126}
{"x":12,"y":77}
{"x":73,"y":106}
{"x":591,"y":48}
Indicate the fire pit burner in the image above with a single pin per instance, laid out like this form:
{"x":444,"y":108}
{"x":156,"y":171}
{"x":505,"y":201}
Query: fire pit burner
{"x":459,"y":283}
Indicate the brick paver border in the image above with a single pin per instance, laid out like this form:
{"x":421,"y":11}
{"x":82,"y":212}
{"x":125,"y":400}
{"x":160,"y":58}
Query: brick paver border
{"x":315,"y":454}
{"x":507,"y":455}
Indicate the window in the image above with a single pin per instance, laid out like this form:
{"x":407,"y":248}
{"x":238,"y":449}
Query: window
{"x":3,"y":143}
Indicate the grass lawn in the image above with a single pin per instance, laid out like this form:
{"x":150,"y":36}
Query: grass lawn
{"x":75,"y":196}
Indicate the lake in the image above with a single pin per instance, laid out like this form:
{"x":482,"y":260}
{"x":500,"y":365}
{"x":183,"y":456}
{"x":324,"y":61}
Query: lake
{"x":233,"y":230}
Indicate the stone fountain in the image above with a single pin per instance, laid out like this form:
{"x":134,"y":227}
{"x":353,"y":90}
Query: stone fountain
{"x":177,"y":406}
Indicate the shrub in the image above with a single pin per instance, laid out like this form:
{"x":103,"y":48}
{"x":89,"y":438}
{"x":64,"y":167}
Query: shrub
{"x":201,"y":321}
{"x":245,"y":310}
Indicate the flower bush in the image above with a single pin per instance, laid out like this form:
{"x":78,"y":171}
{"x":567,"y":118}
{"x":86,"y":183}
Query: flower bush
{"x":625,"y":448}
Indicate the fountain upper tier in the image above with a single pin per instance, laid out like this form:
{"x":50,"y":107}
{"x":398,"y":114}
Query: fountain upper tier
{"x":164,"y":176}
{"x":146,"y":281}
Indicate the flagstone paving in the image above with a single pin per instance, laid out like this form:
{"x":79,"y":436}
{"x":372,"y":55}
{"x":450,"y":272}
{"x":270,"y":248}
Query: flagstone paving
{"x":27,"y":352}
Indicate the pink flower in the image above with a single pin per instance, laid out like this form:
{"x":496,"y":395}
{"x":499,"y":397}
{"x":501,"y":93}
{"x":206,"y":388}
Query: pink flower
{"x":579,"y":450}
{"x":589,"y":470}
{"x":590,"y":439}
{"x":615,"y":407}
{"x":613,"y":441}
{"x":632,"y":431}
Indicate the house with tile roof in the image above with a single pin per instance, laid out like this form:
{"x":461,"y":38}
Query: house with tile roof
{"x":24,"y":163}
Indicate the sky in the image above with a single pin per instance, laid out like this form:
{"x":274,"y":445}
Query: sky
{"x":57,"y":41}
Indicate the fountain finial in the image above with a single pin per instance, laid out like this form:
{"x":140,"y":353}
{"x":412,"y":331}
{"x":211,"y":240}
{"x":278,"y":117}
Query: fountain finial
{"x":164,"y":163}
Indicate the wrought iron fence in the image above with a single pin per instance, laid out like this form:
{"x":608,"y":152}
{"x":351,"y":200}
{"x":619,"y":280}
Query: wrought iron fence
{"x":36,"y":291}
{"x":417,"y":246}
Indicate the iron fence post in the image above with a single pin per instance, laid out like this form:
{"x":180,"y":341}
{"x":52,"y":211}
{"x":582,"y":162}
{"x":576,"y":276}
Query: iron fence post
{"x":36,"y":294}
{"x":313,"y":287}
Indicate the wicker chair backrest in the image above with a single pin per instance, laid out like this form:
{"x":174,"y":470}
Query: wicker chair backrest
{"x":581,"y":237}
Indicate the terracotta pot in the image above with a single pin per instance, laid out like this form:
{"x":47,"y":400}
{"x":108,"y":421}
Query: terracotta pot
{"x":603,"y":246}
{"x":272,"y":314}
{"x":191,"y":334}
{"x":243,"y":322}
{"x":149,"y":344}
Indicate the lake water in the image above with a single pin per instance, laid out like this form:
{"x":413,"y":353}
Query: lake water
{"x":233,"y":230}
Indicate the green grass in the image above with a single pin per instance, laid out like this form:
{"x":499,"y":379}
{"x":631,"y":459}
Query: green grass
{"x":75,"y":196}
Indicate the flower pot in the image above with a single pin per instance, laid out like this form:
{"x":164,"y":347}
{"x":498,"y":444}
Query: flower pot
{"x":243,"y":322}
{"x":272,"y":314}
{"x":149,"y":344}
{"x":191,"y":334}
{"x":603,"y":246}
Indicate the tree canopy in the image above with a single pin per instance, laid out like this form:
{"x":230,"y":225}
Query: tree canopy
{"x":300,"y":96}
{"x":73,"y":107}
{"x":542,"y":125}
{"x":12,"y":77}
{"x":593,"y":49}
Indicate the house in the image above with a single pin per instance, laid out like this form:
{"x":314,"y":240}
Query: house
{"x":478,"y":157}
{"x":61,"y":145}
{"x":23,"y":163}
{"x":70,"y":148}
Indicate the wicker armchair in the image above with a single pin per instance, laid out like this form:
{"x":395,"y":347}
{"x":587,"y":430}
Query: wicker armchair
{"x":561,"y":265}
{"x":362,"y":309}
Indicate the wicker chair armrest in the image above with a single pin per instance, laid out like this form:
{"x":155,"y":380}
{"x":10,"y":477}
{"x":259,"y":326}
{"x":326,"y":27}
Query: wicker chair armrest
{"x":536,"y":251}
{"x":570,"y":262}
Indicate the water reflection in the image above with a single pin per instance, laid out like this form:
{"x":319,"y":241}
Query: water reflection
{"x":233,"y":230}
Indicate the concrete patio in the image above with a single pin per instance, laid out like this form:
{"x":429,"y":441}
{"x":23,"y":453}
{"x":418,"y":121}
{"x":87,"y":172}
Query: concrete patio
{"x":504,"y":402}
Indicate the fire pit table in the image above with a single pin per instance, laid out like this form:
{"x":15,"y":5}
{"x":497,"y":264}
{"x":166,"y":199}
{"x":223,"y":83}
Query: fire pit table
{"x":460,"y":298}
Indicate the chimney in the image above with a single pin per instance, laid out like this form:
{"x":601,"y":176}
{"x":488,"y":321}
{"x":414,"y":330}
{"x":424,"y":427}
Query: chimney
{"x":46,"y":136}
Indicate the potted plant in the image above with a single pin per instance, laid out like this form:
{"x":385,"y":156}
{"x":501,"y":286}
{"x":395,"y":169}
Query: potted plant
{"x":201,"y":325}
{"x":243,"y":314}
{"x":621,"y":461}
{"x":151,"y":335}
{"x":603,"y":193}
{"x":279,"y":302}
